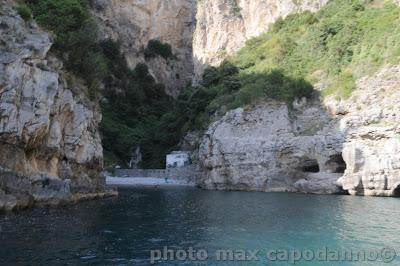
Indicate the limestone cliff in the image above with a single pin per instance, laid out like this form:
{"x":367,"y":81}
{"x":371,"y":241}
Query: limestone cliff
{"x":372,"y":145}
{"x":265,"y":147}
{"x":268,"y":148}
{"x":135,"y":23}
{"x":50,"y":145}
{"x":201,"y":33}
{"x":223,"y":26}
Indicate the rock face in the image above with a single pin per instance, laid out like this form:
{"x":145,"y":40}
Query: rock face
{"x":264,"y":149}
{"x":372,"y":147}
{"x":319,"y":147}
{"x":223,"y":26}
{"x":201,"y":33}
{"x":50,"y":146}
{"x":135,"y":22}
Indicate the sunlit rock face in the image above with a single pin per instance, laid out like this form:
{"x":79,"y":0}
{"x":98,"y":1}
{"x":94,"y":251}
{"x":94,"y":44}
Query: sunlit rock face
{"x":266,"y":148}
{"x":223,"y":26}
{"x":135,"y":22}
{"x":318,"y":147}
{"x":50,"y":146}
{"x":372,"y":147}
{"x":201,"y":33}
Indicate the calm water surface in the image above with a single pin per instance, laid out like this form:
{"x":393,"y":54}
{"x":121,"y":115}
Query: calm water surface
{"x":123,"y":230}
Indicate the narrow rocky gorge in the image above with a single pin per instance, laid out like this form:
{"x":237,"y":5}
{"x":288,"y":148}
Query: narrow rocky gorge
{"x":50,"y":143}
{"x":201,"y":33}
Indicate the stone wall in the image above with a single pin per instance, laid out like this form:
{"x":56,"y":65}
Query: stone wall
{"x":188,"y":173}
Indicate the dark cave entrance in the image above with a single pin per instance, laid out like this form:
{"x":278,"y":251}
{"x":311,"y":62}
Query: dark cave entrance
{"x":396,"y":191}
{"x":336,"y":164}
{"x":310,"y":166}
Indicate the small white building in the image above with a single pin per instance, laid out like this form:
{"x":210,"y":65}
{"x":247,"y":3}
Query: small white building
{"x":177,"y":159}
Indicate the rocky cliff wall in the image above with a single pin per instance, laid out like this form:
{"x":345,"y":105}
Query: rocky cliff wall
{"x":372,"y":145}
{"x":268,"y":148}
{"x":201,"y":33}
{"x":50,"y":147}
{"x":319,"y":147}
{"x":223,"y":26}
{"x":135,"y":22}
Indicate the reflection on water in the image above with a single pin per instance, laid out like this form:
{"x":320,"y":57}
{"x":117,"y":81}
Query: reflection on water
{"x":122,"y":231}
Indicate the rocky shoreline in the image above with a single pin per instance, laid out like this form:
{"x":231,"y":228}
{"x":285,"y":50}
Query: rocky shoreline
{"x":16,"y":202}
{"x":323,"y":146}
{"x":20,"y":192}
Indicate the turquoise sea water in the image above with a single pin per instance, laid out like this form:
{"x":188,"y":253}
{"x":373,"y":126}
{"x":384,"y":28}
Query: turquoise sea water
{"x":272,"y":226}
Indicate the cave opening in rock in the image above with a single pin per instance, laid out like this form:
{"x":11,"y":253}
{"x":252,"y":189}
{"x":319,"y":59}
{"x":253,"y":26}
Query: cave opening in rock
{"x":336,"y":164}
{"x":310,"y":166}
{"x":396,"y":192}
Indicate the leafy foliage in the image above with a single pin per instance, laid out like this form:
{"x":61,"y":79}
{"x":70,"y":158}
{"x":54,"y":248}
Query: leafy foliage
{"x":155,"y":48}
{"x":76,"y":37}
{"x":226,"y":88}
{"x":134,"y":112}
{"x":134,"y":106}
{"x":24,"y":11}
{"x":234,"y":7}
{"x":342,"y":42}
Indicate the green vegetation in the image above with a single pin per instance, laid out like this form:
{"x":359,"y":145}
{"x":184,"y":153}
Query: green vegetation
{"x":24,"y":11}
{"x":76,"y":38}
{"x":134,"y":112}
{"x":235,"y":8}
{"x":337,"y":45}
{"x":133,"y":104}
{"x":155,"y":48}
{"x":342,"y":42}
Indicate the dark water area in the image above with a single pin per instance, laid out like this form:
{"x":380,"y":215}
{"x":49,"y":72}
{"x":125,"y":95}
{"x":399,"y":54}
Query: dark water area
{"x":123,"y":230}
